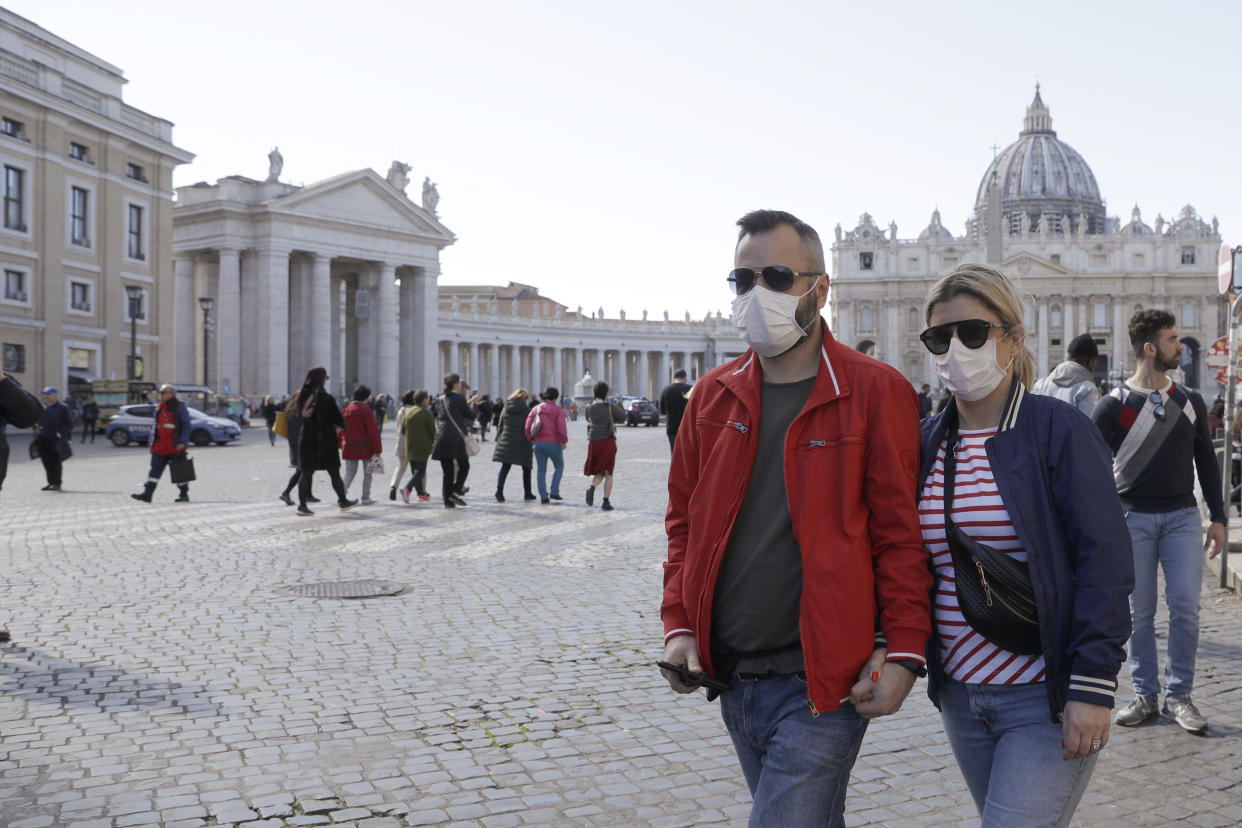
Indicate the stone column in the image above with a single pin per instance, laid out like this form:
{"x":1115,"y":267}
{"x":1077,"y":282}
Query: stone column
{"x":493,"y":372}
{"x":228,"y":323}
{"x":183,"y":317}
{"x":472,"y":373}
{"x":273,"y":275}
{"x":1120,"y":338}
{"x":387,"y":312}
{"x":420,"y":335}
{"x":644,"y":389}
{"x":320,"y":322}
{"x":1041,"y":354}
{"x":892,"y":336}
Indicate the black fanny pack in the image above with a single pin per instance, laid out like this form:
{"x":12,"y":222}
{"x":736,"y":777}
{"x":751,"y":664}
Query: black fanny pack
{"x":994,"y":591}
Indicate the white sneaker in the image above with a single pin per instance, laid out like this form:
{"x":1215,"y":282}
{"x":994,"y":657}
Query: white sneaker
{"x":366,"y":501}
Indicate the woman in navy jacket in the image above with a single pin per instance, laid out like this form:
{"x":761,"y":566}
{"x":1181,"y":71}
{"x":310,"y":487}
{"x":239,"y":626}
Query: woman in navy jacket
{"x":1033,"y":480}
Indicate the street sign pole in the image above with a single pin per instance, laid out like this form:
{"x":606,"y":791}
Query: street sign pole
{"x":1231,"y":385}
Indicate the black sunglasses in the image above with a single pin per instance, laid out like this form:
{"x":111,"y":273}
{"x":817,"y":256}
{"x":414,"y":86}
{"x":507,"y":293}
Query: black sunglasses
{"x":1158,"y":401}
{"x":972,"y":332}
{"x":777,"y":277}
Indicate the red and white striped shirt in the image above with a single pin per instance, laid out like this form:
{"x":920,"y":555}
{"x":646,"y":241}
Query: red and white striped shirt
{"x":978,"y":511}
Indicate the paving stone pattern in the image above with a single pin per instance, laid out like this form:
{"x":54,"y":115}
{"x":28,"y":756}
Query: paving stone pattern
{"x":156,"y":676}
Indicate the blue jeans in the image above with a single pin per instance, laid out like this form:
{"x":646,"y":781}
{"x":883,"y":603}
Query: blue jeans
{"x":543,"y":453}
{"x":796,"y":766}
{"x":1010,"y":754}
{"x":1174,"y":542}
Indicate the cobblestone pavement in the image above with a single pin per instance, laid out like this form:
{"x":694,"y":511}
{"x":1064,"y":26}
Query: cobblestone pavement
{"x":156,"y":676}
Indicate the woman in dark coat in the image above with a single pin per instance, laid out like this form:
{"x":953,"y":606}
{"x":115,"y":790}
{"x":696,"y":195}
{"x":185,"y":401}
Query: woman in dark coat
{"x":319,"y":446}
{"x":450,"y":445}
{"x":512,"y":447}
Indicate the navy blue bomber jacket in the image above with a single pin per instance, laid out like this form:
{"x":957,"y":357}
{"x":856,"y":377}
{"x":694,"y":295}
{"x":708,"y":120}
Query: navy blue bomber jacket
{"x":1055,"y":477}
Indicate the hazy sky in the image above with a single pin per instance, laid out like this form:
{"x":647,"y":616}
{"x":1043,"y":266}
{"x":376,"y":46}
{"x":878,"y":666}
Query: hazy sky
{"x":603,"y":151}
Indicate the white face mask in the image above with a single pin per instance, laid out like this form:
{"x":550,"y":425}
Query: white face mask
{"x":970,"y":374}
{"x":767,"y":320}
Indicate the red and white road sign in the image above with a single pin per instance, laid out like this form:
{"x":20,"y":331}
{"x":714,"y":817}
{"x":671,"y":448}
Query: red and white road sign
{"x":1217,"y":358}
{"x":1224,"y":270}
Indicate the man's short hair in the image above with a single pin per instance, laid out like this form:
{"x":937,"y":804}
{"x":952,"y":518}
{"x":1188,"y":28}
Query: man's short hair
{"x":167,"y":387}
{"x":1083,"y":348}
{"x":601,"y":390}
{"x":765,"y":221}
{"x":362,"y":393}
{"x":680,"y":373}
{"x":1146,"y":325}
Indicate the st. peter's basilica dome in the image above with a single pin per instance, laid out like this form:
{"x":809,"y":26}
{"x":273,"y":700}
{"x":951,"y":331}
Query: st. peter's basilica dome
{"x":1043,"y":179}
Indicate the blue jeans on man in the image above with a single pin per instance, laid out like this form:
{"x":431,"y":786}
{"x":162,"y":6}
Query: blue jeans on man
{"x":1172,"y":541}
{"x":543,"y":453}
{"x":797,"y":766}
{"x":1009,"y":751}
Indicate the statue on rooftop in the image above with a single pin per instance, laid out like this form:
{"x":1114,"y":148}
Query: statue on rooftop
{"x":275,"y":164}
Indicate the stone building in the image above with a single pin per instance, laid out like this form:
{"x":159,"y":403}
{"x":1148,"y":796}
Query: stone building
{"x":1038,"y":213}
{"x":87,"y":219}
{"x":343,"y":273}
{"x":340,"y":273}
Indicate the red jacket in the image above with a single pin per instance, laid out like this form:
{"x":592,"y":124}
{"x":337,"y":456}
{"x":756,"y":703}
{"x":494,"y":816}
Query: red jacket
{"x":851,"y":465}
{"x":361,"y":438}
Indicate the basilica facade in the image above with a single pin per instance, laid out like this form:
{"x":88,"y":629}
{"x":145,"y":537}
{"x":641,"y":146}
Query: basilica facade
{"x":1039,"y":215}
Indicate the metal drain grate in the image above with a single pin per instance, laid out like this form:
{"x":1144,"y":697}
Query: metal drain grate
{"x":346,"y":589}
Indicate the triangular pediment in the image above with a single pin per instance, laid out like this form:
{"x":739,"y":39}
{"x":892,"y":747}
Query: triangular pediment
{"x":1027,"y":264}
{"x":362,"y":200}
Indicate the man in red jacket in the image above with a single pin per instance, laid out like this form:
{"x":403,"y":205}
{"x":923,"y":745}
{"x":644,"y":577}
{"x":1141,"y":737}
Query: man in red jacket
{"x":796,"y":571}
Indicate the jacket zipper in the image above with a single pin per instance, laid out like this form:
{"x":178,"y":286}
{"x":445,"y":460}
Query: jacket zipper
{"x":983,"y":579}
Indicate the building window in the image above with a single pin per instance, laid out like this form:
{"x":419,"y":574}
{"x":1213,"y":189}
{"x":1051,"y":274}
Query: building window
{"x":14,"y":358}
{"x":135,"y":172}
{"x":1139,"y":260}
{"x":79,"y":201}
{"x":866,"y":320}
{"x":864,"y":261}
{"x":1099,"y":315}
{"x":79,"y":152}
{"x":1056,"y":258}
{"x":15,"y":286}
{"x":134,"y":233}
{"x":79,"y":359}
{"x":80,"y":296}
{"x":1188,"y":255}
{"x":950,"y":262}
{"x":1054,"y":318}
{"x":13,"y":129}
{"x":1099,"y":260}
{"x":912,"y":263}
{"x":15,"y":199}
{"x":1188,"y":315}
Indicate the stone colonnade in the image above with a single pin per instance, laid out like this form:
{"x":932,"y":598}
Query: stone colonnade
{"x":279,"y":312}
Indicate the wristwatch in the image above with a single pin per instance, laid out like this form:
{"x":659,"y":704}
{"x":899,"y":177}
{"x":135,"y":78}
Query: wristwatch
{"x":910,"y":664}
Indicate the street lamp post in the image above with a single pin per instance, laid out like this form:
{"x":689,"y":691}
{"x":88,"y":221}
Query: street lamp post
{"x":205,"y":302}
{"x":135,"y":311}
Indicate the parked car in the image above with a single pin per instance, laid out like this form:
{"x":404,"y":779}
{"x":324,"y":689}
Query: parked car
{"x":640,"y":411}
{"x":133,"y":424}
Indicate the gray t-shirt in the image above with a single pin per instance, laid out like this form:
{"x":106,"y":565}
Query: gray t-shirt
{"x":760,"y":580}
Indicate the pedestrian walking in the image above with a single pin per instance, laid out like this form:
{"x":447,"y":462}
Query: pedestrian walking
{"x":318,"y":444}
{"x":419,"y":430}
{"x":269,"y":409}
{"x":293,"y":415}
{"x":1158,"y":433}
{"x":796,"y":578}
{"x":407,"y":403}
{"x":483,"y":416}
{"x":602,"y":418}
{"x":19,"y":408}
{"x":1032,"y":570}
{"x":1073,"y":380}
{"x":52,"y":436}
{"x":498,"y":409}
{"x":90,"y":416}
{"x":513,"y":448}
{"x":379,"y":406}
{"x":360,"y":441}
{"x":673,"y":404}
{"x":925,"y":402}
{"x":548,"y":433}
{"x":172,"y":434}
{"x":454,"y":419}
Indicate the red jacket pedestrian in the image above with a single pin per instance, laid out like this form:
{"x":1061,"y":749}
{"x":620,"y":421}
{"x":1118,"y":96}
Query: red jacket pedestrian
{"x":361,"y":438}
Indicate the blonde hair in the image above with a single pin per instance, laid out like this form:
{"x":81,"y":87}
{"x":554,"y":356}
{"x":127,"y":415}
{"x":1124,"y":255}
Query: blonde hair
{"x":997,"y":291}
{"x":519,"y":394}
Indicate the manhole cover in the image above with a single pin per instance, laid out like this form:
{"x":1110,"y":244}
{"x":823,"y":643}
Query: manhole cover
{"x":346,"y":589}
